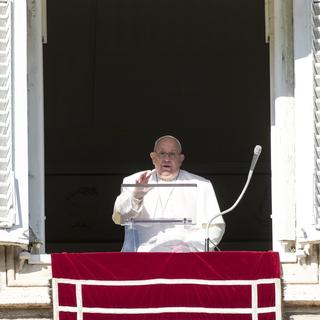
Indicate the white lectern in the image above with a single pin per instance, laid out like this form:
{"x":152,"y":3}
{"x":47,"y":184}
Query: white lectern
{"x":164,"y":217}
{"x":138,"y":231}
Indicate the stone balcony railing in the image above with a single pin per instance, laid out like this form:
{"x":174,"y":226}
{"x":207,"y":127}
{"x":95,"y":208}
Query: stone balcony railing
{"x":25,"y":286}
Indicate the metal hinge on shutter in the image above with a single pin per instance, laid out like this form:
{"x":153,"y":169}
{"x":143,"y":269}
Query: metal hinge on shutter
{"x":7,"y":215}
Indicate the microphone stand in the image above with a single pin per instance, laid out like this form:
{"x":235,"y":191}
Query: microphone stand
{"x":256,"y":154}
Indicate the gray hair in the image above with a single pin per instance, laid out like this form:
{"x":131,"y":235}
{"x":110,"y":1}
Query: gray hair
{"x":167,"y":137}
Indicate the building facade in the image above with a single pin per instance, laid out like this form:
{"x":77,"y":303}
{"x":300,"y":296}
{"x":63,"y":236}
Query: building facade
{"x":293,"y":34}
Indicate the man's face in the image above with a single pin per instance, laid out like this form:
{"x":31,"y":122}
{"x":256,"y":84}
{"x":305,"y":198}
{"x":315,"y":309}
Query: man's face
{"x":167,"y":158}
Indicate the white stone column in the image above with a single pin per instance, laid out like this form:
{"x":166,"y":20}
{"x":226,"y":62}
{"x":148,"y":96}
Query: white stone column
{"x":36,"y":123}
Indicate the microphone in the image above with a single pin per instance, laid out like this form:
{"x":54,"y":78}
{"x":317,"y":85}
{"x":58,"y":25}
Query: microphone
{"x":256,"y":153}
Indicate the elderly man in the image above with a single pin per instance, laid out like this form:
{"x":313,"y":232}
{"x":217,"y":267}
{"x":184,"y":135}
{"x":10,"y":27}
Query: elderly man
{"x":197,"y":204}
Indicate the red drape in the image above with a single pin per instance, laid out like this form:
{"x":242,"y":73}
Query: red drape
{"x":208,"y":285}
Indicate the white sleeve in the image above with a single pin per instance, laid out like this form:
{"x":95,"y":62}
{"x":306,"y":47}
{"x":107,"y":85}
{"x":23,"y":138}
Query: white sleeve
{"x":207,"y":208}
{"x":216,"y":232}
{"x":197,"y":235}
{"x":126,"y":207}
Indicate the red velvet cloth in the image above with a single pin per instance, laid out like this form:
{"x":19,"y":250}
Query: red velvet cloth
{"x":190,"y":281}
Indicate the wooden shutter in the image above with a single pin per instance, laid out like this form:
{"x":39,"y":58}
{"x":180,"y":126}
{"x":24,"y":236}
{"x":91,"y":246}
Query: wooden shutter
{"x":316,"y":62}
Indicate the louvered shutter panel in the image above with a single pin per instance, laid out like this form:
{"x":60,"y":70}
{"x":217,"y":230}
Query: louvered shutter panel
{"x":7,"y":215}
{"x":316,"y":61}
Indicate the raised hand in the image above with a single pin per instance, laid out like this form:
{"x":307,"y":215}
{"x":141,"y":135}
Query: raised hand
{"x":140,"y":191}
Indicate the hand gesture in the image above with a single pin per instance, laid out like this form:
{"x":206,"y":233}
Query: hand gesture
{"x":140,"y":191}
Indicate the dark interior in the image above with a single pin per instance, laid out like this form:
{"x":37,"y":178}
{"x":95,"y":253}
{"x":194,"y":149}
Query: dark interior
{"x":120,"y":73}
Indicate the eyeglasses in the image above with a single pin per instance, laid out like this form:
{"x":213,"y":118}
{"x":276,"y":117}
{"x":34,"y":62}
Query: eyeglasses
{"x":170,"y":155}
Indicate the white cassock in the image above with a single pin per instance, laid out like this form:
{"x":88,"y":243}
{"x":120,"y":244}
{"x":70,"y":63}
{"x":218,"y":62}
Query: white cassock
{"x":195,"y":200}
